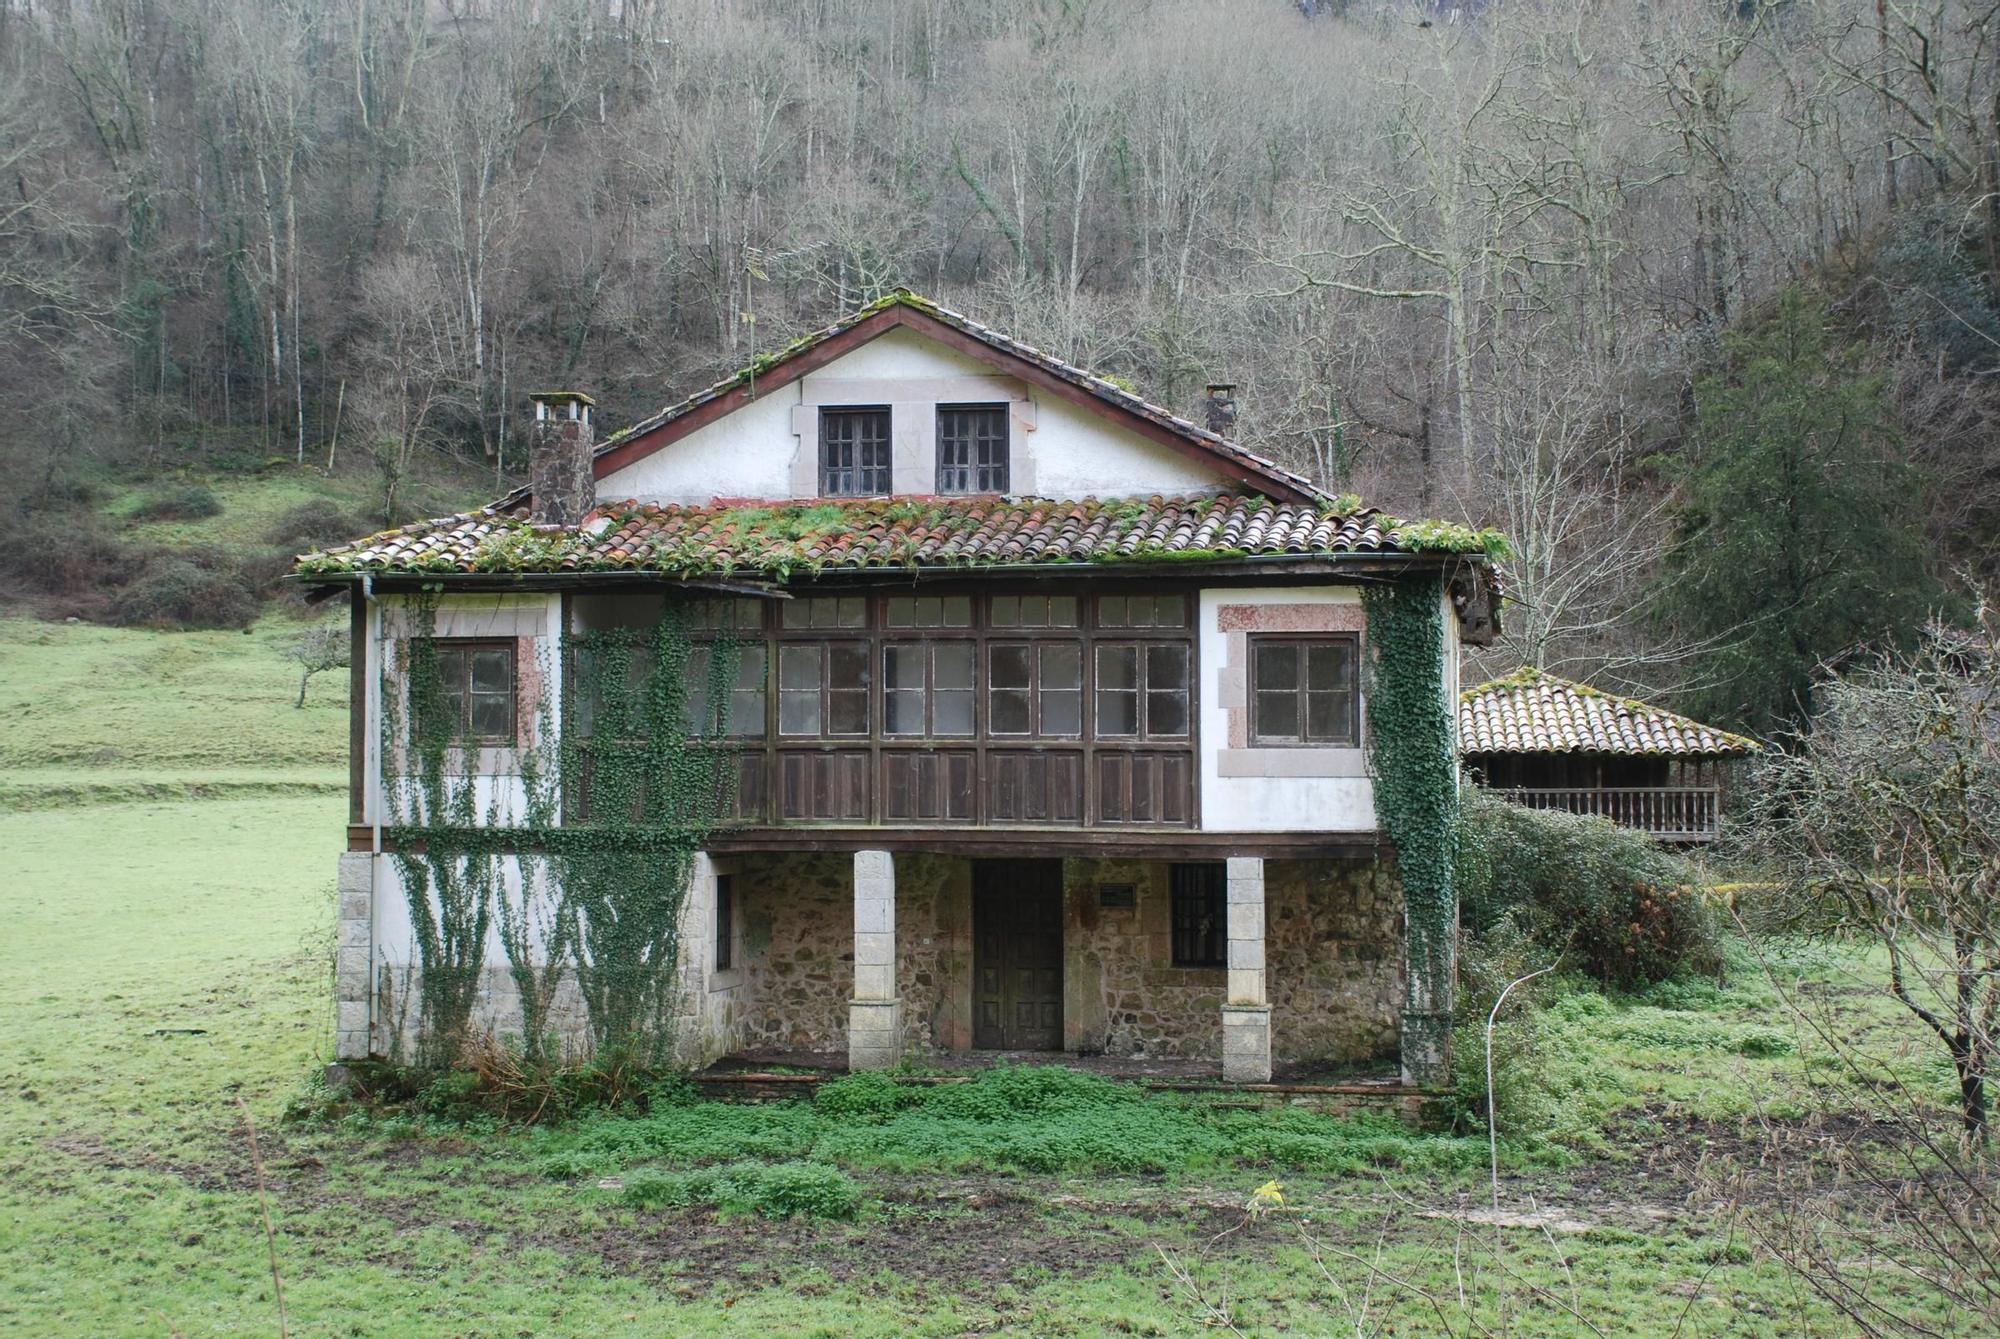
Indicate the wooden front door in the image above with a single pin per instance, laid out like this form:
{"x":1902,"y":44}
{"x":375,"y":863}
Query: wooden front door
{"x":1017,"y":955}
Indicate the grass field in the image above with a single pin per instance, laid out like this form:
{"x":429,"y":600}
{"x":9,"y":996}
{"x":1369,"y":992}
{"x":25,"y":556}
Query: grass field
{"x":167,"y":961}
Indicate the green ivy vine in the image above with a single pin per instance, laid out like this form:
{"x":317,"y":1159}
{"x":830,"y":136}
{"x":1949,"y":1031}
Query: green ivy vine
{"x":1416,"y":765}
{"x":603,"y":821}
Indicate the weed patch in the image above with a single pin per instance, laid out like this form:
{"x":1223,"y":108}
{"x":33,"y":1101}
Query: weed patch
{"x":1020,"y":1119}
{"x":769,"y":1190}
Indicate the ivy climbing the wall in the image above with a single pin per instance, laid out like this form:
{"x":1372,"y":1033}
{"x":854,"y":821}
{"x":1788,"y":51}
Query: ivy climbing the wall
{"x":600,"y":821}
{"x":1416,"y":796}
{"x":437,"y":824}
{"x":647,"y":781}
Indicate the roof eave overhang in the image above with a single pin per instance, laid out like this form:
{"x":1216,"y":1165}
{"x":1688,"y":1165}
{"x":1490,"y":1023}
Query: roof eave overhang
{"x":1664,"y":755}
{"x":1340,"y":567}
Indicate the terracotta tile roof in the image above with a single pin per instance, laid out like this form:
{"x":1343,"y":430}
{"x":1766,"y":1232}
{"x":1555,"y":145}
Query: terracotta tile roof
{"x":1108,"y":391}
{"x":775,"y":540}
{"x":1533,"y":712}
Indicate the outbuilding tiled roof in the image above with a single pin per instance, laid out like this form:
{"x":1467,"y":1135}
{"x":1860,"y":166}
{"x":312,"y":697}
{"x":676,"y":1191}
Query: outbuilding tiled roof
{"x":875,"y":533}
{"x":1533,"y":712}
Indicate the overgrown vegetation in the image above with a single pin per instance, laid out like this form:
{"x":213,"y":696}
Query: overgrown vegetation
{"x":583,"y":867}
{"x":1884,"y":824}
{"x":770,"y":1189}
{"x":1415,"y":763}
{"x":1031,"y":1119}
{"x":1608,"y":900}
{"x":145,"y":548}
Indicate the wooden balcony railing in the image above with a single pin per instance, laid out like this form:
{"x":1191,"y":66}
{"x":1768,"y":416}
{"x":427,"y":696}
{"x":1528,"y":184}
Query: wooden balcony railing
{"x":1671,"y":813}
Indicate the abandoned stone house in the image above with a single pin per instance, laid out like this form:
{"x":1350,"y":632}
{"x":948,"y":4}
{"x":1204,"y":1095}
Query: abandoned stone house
{"x":1048,"y":713}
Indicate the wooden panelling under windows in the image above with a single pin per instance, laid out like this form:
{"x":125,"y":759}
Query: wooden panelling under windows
{"x":750,"y":803}
{"x":927,"y":787}
{"x":1039,"y":786}
{"x":1134,"y":787}
{"x":823,"y":787}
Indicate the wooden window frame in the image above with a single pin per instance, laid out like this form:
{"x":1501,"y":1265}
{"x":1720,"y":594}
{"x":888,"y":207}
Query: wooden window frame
{"x":462,"y":734}
{"x":863,"y":472}
{"x":1036,"y":647}
{"x":981,"y":477}
{"x":1200,"y":936}
{"x":1142,"y":689}
{"x":745,"y":644}
{"x":1261,"y":642}
{"x":857,"y":641}
{"x":927,"y":690}
{"x":983,"y":751}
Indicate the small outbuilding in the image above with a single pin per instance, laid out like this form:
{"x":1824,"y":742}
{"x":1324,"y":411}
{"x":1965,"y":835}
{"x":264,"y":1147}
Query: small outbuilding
{"x":1549,"y":743}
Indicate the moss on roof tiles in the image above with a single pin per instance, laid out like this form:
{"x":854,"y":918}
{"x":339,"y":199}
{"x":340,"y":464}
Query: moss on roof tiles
{"x":1533,"y":711}
{"x":900,"y":533}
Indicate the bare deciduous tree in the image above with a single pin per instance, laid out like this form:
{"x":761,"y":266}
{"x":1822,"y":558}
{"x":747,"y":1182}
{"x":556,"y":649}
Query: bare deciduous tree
{"x":1884,"y":823}
{"x":315,"y":651}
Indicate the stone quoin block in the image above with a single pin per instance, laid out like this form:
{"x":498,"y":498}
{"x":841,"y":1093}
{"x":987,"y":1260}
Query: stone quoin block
{"x":1246,"y":1043}
{"x":354,"y":954}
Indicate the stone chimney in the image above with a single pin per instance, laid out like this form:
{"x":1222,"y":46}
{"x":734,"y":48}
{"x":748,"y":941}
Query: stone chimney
{"x":1222,"y":408}
{"x":559,"y":448}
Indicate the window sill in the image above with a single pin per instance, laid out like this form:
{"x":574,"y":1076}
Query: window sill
{"x":1291,"y":760}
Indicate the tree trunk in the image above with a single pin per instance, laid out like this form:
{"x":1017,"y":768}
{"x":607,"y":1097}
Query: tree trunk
{"x":1971,"y":1094}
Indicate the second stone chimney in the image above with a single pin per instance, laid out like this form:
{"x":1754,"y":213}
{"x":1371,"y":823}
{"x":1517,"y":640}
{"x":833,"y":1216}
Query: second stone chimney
{"x":1222,"y":408}
{"x":560,"y":481}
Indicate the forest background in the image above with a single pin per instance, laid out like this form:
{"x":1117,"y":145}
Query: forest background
{"x":1699,"y":302}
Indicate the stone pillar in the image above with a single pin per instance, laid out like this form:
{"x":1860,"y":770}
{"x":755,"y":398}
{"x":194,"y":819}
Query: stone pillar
{"x":353,"y":957}
{"x":697,"y":960}
{"x":875,"y":1014}
{"x":1246,"y":1014}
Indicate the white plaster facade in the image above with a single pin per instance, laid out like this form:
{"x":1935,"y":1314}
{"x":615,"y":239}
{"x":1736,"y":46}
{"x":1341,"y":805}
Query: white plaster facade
{"x":1274,"y":789}
{"x":769,"y":449}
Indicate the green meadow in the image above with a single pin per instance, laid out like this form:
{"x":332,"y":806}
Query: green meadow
{"x":169,"y":823}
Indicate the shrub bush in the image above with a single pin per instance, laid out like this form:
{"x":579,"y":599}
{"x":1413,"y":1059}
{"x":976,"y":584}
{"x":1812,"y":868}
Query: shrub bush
{"x":192,"y":503}
{"x":65,"y":553}
{"x":1627,"y":911}
{"x":314,"y":525}
{"x":177,"y":593}
{"x":858,"y":1096}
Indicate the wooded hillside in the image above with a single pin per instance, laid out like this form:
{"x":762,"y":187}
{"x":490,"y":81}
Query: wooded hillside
{"x":1472,"y":262}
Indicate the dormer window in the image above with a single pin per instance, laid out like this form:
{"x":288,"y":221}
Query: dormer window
{"x":854,"y":452}
{"x":972,"y":448}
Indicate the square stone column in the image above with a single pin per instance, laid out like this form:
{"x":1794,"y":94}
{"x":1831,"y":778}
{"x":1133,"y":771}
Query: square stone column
{"x":1246,"y":1013}
{"x":353,"y":957}
{"x":875,"y":1014}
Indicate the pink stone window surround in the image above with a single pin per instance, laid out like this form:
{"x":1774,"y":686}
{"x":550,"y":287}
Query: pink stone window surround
{"x":496,"y":757}
{"x":1238,"y":623}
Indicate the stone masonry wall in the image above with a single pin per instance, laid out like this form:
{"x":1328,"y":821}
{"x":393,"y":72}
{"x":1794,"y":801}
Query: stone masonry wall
{"x":1122,"y":995}
{"x":1334,"y":940}
{"x":1333,"y":945}
{"x":797,"y":940}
